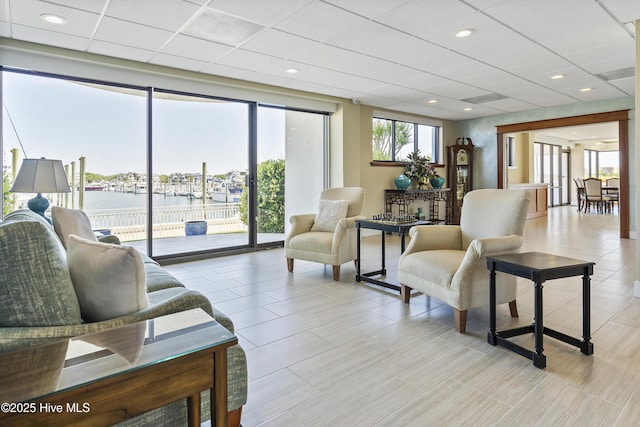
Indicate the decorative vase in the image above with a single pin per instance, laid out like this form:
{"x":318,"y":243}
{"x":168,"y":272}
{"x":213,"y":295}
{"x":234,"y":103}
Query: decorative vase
{"x":420,"y":216}
{"x":437,"y":182}
{"x":402,"y":182}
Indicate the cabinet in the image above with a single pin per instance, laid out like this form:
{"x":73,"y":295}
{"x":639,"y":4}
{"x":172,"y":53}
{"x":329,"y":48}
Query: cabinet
{"x":460,"y":163}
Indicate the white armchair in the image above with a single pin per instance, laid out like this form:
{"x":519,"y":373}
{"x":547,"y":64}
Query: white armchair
{"x":333,"y":243}
{"x":448,"y":262}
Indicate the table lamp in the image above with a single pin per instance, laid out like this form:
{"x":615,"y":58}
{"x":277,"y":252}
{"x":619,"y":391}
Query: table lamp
{"x":40,"y":176}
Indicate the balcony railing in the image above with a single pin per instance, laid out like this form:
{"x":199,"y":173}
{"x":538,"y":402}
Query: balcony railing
{"x":169,"y":221}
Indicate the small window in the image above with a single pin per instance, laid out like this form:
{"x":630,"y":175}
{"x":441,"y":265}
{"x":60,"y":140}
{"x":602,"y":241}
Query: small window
{"x":394,"y":140}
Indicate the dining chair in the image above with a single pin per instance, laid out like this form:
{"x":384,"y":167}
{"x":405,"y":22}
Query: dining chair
{"x":594,"y":195}
{"x":612,"y":189}
{"x":580,"y":194}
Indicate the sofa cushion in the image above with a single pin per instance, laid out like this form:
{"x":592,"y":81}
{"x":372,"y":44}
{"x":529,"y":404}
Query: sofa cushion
{"x":110,"y":280}
{"x":71,"y":221}
{"x":35,"y":287}
{"x":329,"y":213}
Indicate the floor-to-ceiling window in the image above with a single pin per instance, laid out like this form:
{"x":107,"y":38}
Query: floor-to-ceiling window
{"x":152,"y":165}
{"x":200,"y":164}
{"x":96,"y":129}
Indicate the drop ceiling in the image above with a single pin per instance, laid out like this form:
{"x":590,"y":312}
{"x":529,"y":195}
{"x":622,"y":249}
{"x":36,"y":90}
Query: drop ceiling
{"x":394,"y":54}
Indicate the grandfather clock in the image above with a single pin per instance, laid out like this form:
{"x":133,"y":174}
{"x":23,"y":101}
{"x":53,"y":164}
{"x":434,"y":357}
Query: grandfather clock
{"x":460,"y":174}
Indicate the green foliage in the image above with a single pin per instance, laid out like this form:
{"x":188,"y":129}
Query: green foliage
{"x":270,"y":198}
{"x":383,"y":138}
{"x":7,"y":198}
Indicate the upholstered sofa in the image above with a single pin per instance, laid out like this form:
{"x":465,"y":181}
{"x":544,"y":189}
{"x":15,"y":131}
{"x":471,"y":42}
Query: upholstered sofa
{"x":38,"y":305}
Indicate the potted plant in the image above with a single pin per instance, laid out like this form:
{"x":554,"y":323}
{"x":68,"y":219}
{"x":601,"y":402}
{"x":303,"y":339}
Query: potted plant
{"x":418,"y":169}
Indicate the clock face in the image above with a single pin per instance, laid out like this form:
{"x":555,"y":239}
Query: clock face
{"x":461,"y":157}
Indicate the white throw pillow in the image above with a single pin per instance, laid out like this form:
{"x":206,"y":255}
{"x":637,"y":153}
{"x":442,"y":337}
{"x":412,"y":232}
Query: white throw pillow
{"x":71,"y":221}
{"x":110,"y":280}
{"x":329,"y":213}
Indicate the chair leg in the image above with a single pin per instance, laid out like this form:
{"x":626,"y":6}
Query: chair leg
{"x":233,"y":417}
{"x":405,"y":293}
{"x":290,"y":265}
{"x":336,"y":273}
{"x":460,"y":320}
{"x":513,"y":308}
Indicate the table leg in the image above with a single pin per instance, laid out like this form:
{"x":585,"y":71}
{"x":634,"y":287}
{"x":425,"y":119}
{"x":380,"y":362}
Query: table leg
{"x":358,"y":253}
{"x":587,"y":345}
{"x":218,"y":394}
{"x":193,"y":410}
{"x":491,"y":337}
{"x":402,"y":239}
{"x":384,"y":269}
{"x":539,"y":359}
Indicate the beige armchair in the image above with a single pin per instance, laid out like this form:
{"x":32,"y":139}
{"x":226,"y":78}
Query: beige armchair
{"x":447,"y":262}
{"x":331,"y":240}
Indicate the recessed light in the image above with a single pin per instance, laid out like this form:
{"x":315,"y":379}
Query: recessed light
{"x":432,"y":101}
{"x":586,"y":89}
{"x":53,"y":19}
{"x":468,"y":109}
{"x":465,"y":33}
{"x":558,"y":76}
{"x":292,"y":70}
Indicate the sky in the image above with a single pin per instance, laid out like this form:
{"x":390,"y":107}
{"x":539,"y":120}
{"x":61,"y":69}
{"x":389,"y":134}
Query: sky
{"x":65,"y":120}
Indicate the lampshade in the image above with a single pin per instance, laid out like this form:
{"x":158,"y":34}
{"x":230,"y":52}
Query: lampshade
{"x":41,"y":176}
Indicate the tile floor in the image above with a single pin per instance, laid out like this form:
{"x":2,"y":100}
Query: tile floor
{"x":325,"y":353}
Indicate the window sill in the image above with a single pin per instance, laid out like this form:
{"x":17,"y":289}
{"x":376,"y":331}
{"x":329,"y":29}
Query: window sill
{"x":403,"y":164}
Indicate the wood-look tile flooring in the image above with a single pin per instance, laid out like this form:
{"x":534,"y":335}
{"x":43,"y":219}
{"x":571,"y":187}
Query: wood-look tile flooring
{"x":325,"y":353}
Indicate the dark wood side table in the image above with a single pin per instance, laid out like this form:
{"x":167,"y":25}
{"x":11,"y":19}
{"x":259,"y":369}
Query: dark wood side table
{"x":539,"y":267}
{"x":385,"y":227}
{"x":107,"y":377}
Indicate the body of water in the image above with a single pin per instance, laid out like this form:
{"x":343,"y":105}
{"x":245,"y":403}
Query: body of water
{"x":106,"y":200}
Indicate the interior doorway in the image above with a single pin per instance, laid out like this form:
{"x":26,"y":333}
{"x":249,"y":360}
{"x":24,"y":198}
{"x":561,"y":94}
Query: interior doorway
{"x":621,"y":117}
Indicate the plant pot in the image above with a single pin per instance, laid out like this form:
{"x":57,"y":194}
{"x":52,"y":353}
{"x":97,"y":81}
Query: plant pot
{"x":195,"y":228}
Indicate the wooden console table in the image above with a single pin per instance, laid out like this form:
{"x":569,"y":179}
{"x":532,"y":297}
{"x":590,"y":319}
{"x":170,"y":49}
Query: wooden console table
{"x":107,"y":377}
{"x":402,"y":199}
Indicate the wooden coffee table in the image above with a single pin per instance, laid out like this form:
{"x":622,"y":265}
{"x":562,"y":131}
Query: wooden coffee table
{"x":111,"y":376}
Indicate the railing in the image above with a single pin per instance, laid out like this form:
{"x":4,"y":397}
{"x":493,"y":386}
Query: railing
{"x":169,"y":221}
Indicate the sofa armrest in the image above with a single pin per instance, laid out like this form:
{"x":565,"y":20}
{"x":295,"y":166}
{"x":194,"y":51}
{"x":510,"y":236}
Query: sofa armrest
{"x":109,"y":238}
{"x":342,"y":227}
{"x":166,"y":301}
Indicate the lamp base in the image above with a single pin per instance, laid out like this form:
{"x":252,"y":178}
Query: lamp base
{"x":39,"y":205}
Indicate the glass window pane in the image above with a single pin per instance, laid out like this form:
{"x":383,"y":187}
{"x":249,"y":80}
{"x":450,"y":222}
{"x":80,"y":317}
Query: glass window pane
{"x":404,"y":142}
{"x":199,"y":169}
{"x":427,"y":141}
{"x":382,"y":139}
{"x":105,"y":126}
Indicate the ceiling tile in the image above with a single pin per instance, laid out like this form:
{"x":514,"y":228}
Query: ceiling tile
{"x":222,"y":28}
{"x":421,"y":17}
{"x":164,"y":14}
{"x":129,"y":34}
{"x":35,"y":35}
{"x":266,"y":13}
{"x":457,"y":90}
{"x":423,"y":55}
{"x":320,"y":21}
{"x":5,"y":29}
{"x":27,"y":13}
{"x":119,"y":51}
{"x":178,"y":62}
{"x":370,"y":38}
{"x":195,"y":48}
{"x":624,"y":10}
{"x":369,"y":8}
{"x":95,"y":6}
{"x":248,"y":60}
{"x":627,"y":85}
{"x":226,"y":71}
